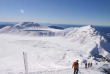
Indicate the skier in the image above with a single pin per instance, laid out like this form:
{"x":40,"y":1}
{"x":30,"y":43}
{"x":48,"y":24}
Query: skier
{"x":86,"y":65}
{"x":76,"y":67}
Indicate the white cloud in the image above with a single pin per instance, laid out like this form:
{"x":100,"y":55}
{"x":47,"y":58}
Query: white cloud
{"x":22,"y":11}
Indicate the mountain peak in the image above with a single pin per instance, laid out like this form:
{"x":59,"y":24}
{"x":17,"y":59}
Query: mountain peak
{"x":91,"y":25}
{"x":88,"y":29}
{"x":28,"y":24}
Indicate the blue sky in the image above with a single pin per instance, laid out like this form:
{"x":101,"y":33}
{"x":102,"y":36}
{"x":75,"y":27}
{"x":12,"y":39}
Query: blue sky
{"x":96,"y":12}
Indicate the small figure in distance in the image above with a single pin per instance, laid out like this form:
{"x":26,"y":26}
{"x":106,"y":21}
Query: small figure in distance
{"x":89,"y":64}
{"x":76,"y":67}
{"x":86,"y":65}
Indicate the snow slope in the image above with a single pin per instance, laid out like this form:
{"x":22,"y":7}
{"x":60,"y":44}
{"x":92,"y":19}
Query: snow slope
{"x":29,"y":28}
{"x":51,"y":54}
{"x":88,"y":38}
{"x":45,"y":55}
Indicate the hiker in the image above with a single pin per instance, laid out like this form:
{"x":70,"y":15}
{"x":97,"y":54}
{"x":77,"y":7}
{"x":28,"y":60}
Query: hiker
{"x":86,"y":65}
{"x":89,"y":64}
{"x":76,"y":67}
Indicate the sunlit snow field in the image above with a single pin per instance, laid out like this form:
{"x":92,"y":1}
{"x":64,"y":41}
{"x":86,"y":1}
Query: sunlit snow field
{"x":51,"y":51}
{"x":46,"y":55}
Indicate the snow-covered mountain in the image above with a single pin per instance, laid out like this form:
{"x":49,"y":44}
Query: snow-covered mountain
{"x":28,"y":24}
{"x":86,"y":37}
{"x":28,"y":28}
{"x":90,"y":39}
{"x":55,"y":49}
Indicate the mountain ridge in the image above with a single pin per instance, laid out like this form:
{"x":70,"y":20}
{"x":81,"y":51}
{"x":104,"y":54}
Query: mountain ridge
{"x":87,"y":36}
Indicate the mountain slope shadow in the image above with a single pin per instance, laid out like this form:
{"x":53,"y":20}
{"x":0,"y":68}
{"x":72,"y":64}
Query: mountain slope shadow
{"x":95,"y":50}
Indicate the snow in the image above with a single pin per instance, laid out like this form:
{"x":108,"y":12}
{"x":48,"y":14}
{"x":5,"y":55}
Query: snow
{"x":51,"y":54}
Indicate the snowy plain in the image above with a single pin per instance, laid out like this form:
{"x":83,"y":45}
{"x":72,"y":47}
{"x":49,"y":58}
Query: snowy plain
{"x":52,"y":54}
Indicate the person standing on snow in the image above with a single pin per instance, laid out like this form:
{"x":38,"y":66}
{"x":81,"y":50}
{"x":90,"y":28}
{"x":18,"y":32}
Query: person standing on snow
{"x":89,"y":64}
{"x":76,"y":67}
{"x":86,"y":65}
